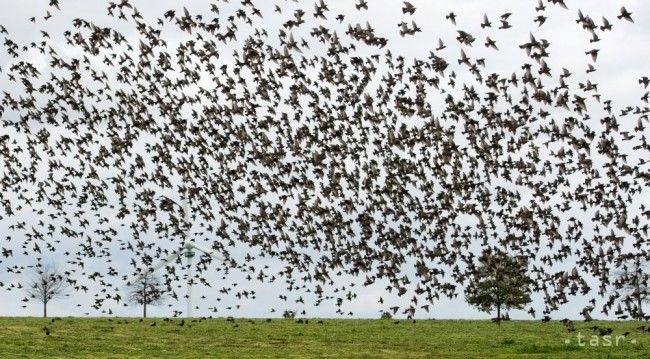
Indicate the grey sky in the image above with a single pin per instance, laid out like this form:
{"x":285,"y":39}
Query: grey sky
{"x":622,"y":60}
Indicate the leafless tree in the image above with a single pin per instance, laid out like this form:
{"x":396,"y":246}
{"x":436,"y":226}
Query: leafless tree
{"x":632,"y":283}
{"x":146,"y":290}
{"x":47,"y":284}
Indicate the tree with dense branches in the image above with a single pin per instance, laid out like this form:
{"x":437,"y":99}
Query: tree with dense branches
{"x":501,"y":281}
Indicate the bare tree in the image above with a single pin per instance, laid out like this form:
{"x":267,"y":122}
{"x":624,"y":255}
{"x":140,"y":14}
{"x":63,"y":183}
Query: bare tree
{"x":146,"y":290}
{"x":632,"y":281}
{"x":47,"y":284}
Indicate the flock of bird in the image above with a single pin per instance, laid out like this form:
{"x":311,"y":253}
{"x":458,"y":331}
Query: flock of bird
{"x":321,"y":149}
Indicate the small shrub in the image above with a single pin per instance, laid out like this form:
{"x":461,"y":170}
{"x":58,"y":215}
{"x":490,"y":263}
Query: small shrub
{"x":289,"y":314}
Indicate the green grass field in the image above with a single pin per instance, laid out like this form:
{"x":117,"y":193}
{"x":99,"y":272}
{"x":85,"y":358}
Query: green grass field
{"x":244,"y":338}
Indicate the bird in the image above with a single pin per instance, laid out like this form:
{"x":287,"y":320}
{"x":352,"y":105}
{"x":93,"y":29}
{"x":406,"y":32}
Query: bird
{"x":624,"y":14}
{"x":491,"y":43}
{"x":504,"y":21}
{"x":593,"y":53}
{"x":451,"y":17}
{"x":441,"y":46}
{"x":540,"y":19}
{"x":486,"y":22}
{"x":408,"y":8}
{"x":606,"y":26}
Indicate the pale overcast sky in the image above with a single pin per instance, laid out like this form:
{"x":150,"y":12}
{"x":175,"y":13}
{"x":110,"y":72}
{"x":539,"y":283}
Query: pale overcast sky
{"x":623,"y":59}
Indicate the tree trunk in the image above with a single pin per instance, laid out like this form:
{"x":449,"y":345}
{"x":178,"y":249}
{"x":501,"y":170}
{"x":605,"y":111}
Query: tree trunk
{"x":498,"y":304}
{"x":44,"y":309}
{"x":637,"y":289}
{"x":144,"y":298}
{"x":499,"y":314}
{"x":639,"y":302}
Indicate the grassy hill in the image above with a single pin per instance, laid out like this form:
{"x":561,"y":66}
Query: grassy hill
{"x":278,"y":338}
